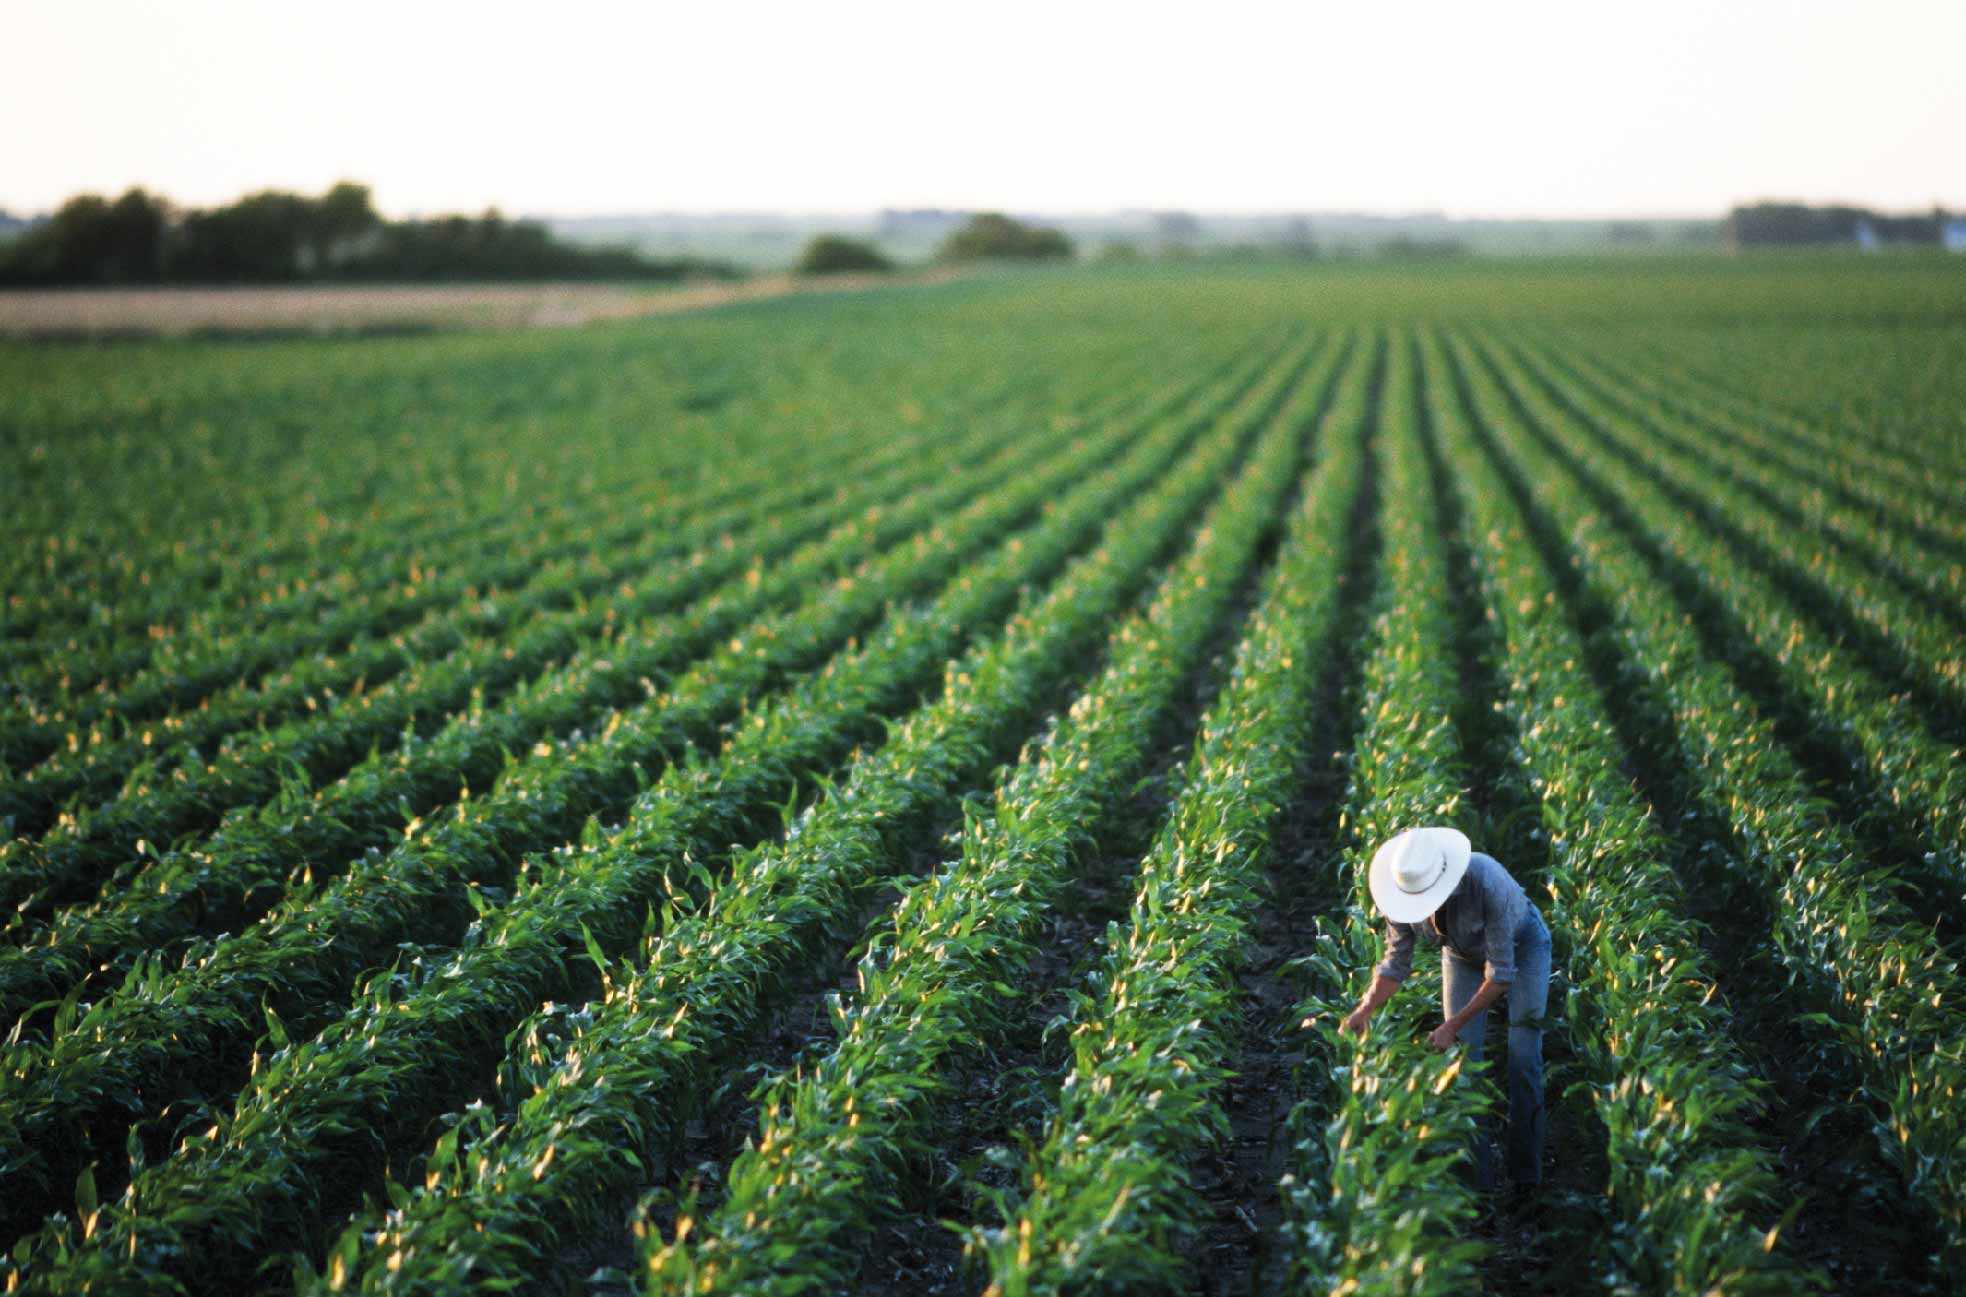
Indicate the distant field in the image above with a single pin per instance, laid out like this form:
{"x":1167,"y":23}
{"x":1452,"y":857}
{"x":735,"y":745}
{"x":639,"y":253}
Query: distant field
{"x":169,"y":312}
{"x":871,"y":793}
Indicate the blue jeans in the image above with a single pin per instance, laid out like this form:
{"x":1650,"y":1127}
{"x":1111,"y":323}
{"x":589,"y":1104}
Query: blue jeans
{"x":1528,"y":997}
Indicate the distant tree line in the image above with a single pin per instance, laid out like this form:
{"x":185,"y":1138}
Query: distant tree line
{"x":1795,"y":224}
{"x":279,"y":237}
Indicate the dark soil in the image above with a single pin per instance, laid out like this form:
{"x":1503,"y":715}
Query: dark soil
{"x":1241,"y":1182}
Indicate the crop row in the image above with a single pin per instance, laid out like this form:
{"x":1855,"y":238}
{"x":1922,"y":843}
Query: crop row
{"x":653,"y":568}
{"x":136,"y":673}
{"x":1842,"y":500}
{"x":159,"y":1036}
{"x":718,"y":586}
{"x":1800,"y":638}
{"x":935,"y":977}
{"x":1902,"y":491}
{"x":1854,"y":953}
{"x":1878,"y":429}
{"x":299,"y":527}
{"x":67,"y":647}
{"x":1691,"y":1187}
{"x":433,"y":599}
{"x":1377,"y":1190}
{"x":387,"y":594}
{"x":1901,"y":636}
{"x":67,"y":864}
{"x":1105,"y":1196}
{"x":256,"y":858}
{"x":416,"y":1042}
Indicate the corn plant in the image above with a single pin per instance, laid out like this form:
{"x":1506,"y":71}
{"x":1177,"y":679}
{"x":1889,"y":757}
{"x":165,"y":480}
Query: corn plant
{"x":174,"y":709}
{"x":370,"y":1078}
{"x":1379,"y":1191}
{"x":161,"y":806}
{"x":938,"y":974}
{"x":1916,"y":777}
{"x":1853,"y":952}
{"x":1105,"y":1199}
{"x":1692,"y":1189}
{"x":168,"y":1032}
{"x":212,"y":886}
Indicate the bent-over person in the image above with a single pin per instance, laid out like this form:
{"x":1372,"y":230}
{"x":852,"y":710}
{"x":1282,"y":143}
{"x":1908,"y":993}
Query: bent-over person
{"x":1431,"y":886}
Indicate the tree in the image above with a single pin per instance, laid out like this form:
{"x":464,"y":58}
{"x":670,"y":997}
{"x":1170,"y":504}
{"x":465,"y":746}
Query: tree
{"x":833,"y":254}
{"x":93,"y":240}
{"x":992,"y":236}
{"x":274,"y":235}
{"x":267,"y":235}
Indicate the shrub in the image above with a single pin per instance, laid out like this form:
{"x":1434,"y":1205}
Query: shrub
{"x":992,"y":236}
{"x":834,"y":254}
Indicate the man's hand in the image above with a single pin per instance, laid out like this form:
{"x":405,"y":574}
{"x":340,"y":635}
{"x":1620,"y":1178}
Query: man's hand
{"x":1354,"y":1023}
{"x":1443,"y":1037}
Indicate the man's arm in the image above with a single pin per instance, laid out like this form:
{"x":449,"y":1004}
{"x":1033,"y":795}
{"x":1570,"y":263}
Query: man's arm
{"x":1383,"y":988}
{"x":1489,"y":992}
{"x":1391,"y":971}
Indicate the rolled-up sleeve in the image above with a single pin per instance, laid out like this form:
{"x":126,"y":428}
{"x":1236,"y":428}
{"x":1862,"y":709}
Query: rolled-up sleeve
{"x":1503,"y":907}
{"x":1399,"y":952}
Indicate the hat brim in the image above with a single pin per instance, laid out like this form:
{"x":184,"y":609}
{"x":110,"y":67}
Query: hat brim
{"x":1402,"y":906}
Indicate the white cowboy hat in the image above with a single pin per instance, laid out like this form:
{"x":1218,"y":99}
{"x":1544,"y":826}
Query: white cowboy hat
{"x":1414,"y":871}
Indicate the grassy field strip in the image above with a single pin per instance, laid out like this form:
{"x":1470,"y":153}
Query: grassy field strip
{"x":430,"y":604}
{"x":69,"y":863}
{"x":671,"y":564}
{"x":1105,"y":1196}
{"x":1915,"y":781}
{"x":415,"y":1042}
{"x":1854,"y":953}
{"x":1871,"y":521}
{"x":1378,"y":1192}
{"x":231,"y":876}
{"x":166,"y":1034}
{"x":1899,"y":639}
{"x":1693,"y":1189}
{"x":936,"y":976}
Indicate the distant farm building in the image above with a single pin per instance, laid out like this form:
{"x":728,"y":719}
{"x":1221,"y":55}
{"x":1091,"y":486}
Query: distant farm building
{"x":1778,"y":225}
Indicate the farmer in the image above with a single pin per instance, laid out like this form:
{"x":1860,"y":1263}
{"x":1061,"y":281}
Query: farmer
{"x":1493,"y":944}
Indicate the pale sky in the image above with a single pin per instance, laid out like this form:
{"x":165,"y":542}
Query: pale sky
{"x":1482,"y":108}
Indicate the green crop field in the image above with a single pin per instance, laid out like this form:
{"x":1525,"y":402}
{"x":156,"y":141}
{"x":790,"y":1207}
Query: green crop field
{"x":870,"y":793}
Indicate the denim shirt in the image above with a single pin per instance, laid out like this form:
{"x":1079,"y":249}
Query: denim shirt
{"x":1476,"y":923}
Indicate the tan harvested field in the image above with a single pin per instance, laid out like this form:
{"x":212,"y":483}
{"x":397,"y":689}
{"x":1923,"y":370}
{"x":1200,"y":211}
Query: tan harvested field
{"x":379,"y":307}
